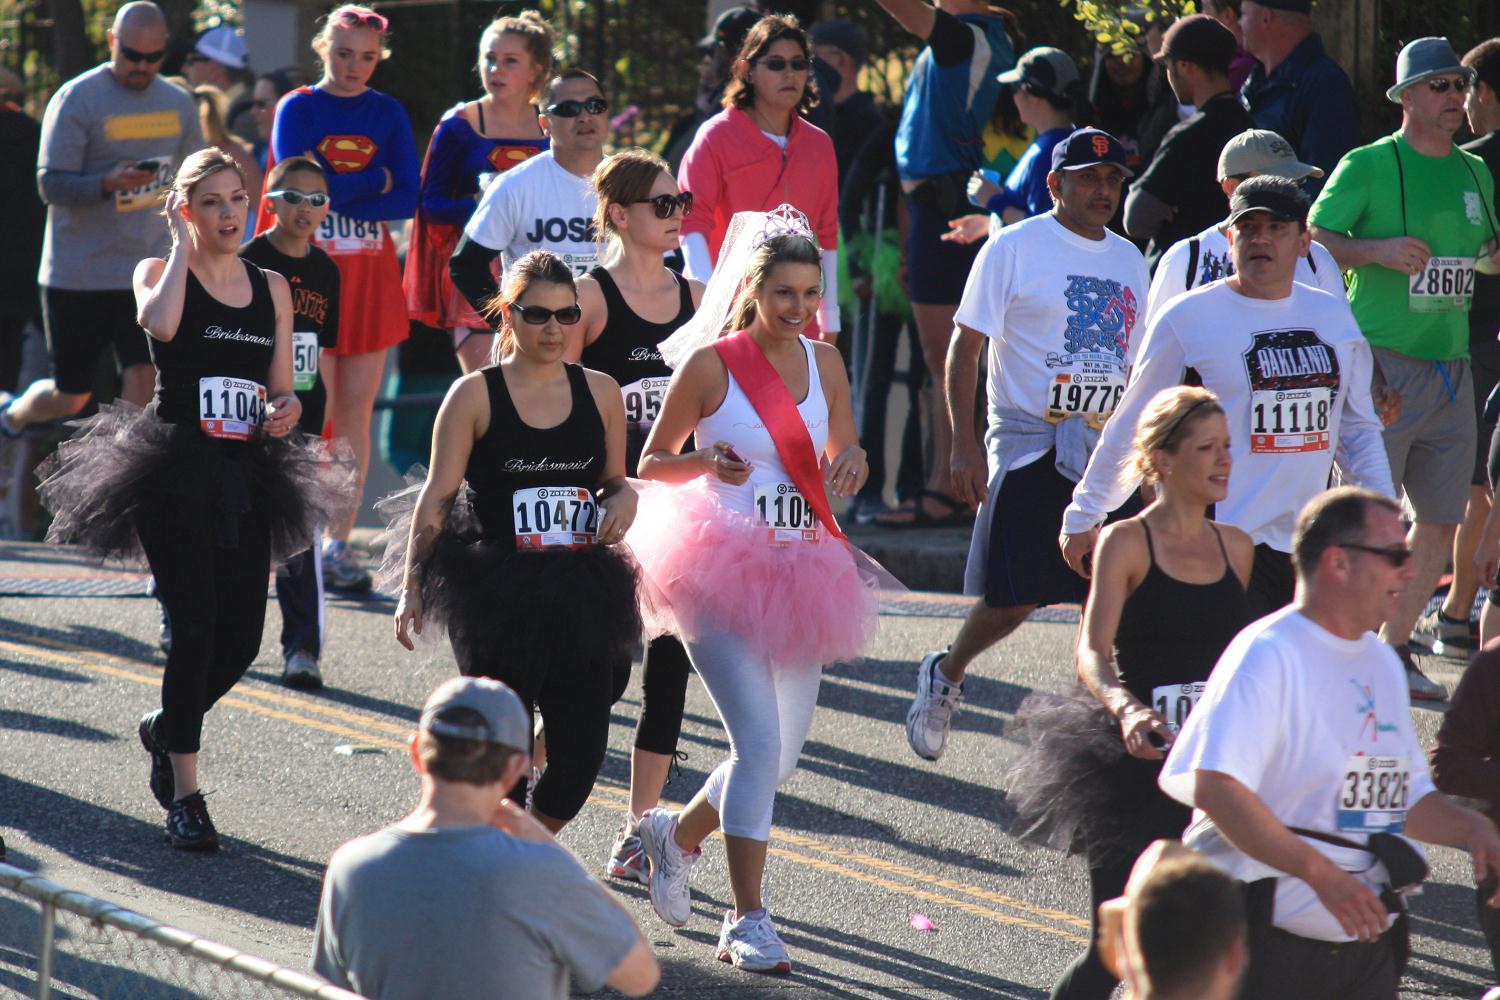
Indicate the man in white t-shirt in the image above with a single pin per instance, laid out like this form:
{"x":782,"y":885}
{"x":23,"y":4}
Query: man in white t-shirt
{"x":1058,"y":298}
{"x":547,"y":202}
{"x":1290,"y":368}
{"x":1198,"y":260}
{"x":1306,"y":726}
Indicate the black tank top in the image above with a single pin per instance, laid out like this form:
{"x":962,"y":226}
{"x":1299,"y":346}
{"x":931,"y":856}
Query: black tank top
{"x":512,"y":455}
{"x":214,"y":342}
{"x":1173,"y":632}
{"x":626,"y":349}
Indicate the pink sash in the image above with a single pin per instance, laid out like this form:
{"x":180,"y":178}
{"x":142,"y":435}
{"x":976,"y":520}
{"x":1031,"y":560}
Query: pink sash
{"x":778,"y":411}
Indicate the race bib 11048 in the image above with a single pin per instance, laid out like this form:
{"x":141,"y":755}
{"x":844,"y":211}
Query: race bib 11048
{"x":1372,"y":794}
{"x":304,"y":361}
{"x":785,"y":514}
{"x":231,"y":408}
{"x":554,"y":517}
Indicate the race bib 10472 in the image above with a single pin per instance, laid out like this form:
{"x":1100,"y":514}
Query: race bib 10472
{"x":1174,"y":702}
{"x":304,"y":361}
{"x":1372,"y":794}
{"x":554,"y":517}
{"x":785,"y":514}
{"x":230,"y":408}
{"x":1446,"y":284}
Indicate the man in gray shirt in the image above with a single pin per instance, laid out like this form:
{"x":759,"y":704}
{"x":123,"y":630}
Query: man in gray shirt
{"x":469,"y":896}
{"x":112,"y":140}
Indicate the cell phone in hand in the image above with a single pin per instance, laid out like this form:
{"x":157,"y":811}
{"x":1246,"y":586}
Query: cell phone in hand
{"x":152,"y":165}
{"x":733,"y":455}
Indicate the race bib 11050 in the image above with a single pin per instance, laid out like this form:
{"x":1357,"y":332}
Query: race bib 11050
{"x":304,"y":361}
{"x":554,"y":517}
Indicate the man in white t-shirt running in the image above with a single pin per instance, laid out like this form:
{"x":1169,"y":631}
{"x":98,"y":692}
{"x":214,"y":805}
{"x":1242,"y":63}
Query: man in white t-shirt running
{"x":1290,"y":368}
{"x":545,"y":203}
{"x":1305,"y":733}
{"x":1058,"y":297}
{"x":1198,"y":260}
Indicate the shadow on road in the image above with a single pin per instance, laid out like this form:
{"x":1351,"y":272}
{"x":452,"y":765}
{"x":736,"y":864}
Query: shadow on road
{"x":30,"y":722}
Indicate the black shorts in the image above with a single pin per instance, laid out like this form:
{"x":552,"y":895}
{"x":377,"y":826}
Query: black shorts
{"x":1025,"y":565}
{"x":1484,"y":363}
{"x":79,"y":325}
{"x":1273,"y":583}
{"x":936,"y":270}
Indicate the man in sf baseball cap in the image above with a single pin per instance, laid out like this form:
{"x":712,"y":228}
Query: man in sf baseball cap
{"x":1258,"y":151}
{"x":1087,"y":147}
{"x":730,"y":30}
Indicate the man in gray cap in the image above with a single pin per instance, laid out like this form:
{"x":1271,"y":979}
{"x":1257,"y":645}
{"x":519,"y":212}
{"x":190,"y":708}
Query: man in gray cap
{"x":1297,"y":91}
{"x":469,"y":896}
{"x":1409,"y":215}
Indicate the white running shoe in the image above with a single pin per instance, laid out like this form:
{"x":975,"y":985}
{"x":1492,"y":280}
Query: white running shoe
{"x":670,"y":868}
{"x":626,"y":859}
{"x":751,"y":943}
{"x":931,"y":712}
{"x":342,"y":570}
{"x":1445,"y":637}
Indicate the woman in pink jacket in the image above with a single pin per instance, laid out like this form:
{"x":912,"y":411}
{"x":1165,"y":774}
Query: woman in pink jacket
{"x":759,"y":152}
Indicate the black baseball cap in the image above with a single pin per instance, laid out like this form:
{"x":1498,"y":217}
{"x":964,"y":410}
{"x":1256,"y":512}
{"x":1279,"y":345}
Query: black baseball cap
{"x":730,"y":29}
{"x":1087,"y":147}
{"x":844,"y":35}
{"x":1264,"y":197}
{"x":1199,"y":39}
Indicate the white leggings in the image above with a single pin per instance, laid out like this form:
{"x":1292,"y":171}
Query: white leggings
{"x":767,"y":715}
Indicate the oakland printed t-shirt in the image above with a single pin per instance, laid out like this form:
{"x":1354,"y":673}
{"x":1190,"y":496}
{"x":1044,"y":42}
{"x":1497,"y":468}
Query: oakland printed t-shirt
{"x":1388,"y":189}
{"x":538,"y":205}
{"x":1319,"y":728}
{"x":1063,"y":311}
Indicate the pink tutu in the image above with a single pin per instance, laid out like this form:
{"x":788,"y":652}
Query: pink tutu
{"x":706,"y":569}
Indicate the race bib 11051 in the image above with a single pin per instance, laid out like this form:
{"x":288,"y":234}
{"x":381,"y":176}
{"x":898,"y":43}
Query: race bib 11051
{"x":785,"y":514}
{"x":554,"y":517}
{"x":231,"y":408}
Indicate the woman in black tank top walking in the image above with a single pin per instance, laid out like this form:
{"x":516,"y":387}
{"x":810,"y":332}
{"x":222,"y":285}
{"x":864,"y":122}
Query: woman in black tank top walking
{"x":640,"y":217}
{"x":1167,"y":595}
{"x":206,"y":482}
{"x":512,"y":541}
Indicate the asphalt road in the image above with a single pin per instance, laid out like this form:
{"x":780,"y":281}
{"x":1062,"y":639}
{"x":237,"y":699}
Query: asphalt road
{"x":866,"y":836}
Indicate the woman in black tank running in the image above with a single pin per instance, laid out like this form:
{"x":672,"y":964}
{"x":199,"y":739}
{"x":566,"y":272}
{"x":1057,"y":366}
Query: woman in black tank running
{"x":206,"y":482}
{"x":640,"y":217}
{"x":512,"y":541}
{"x":1167,"y":595}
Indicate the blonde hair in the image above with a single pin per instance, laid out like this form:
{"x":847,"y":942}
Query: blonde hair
{"x":534,"y":31}
{"x":1168,"y":418}
{"x":213,"y":108}
{"x":539,"y":265}
{"x":789,"y":248}
{"x":623,"y":179}
{"x":361,"y":16}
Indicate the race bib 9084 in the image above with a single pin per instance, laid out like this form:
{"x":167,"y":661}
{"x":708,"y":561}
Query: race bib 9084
{"x":341,"y":234}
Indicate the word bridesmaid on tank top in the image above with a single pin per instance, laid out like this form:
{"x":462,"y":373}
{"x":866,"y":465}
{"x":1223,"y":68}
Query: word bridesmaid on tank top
{"x":627,"y":349}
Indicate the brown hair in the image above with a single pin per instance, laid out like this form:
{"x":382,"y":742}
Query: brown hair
{"x":788,"y":248}
{"x":568,"y":74}
{"x":539,"y":265}
{"x":1186,"y":919}
{"x":768,"y":30}
{"x":362,"y":17}
{"x":623,"y":179}
{"x":1168,"y":418}
{"x":213,"y":107}
{"x":291,"y":165}
{"x":1333,"y":517}
{"x":472,"y":762}
{"x":534,"y":32}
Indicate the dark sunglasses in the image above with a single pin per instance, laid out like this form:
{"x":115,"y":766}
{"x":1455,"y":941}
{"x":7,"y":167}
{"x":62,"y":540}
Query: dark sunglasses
{"x":777,"y":64}
{"x":260,"y":105}
{"x":572,"y":109}
{"x":1459,"y":86}
{"x":666,"y":204}
{"x":1396,"y":555}
{"x":137,"y":56}
{"x":317,"y":199}
{"x":353,"y":18}
{"x":536,"y":315}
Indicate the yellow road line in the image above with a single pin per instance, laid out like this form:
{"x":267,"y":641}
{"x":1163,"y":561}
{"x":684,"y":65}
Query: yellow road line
{"x":605,"y":795}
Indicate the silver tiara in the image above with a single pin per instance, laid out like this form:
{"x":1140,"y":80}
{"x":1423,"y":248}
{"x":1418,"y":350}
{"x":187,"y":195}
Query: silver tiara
{"x":784,"y":220}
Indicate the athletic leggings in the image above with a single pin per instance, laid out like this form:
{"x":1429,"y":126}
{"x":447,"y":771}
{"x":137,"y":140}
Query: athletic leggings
{"x":215,"y":600}
{"x":663,"y":695}
{"x":767,"y":714}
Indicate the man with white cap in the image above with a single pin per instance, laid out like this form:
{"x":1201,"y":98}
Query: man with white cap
{"x":1203,"y":258}
{"x":221,"y":59}
{"x":1410,"y":215}
{"x":469,"y":896}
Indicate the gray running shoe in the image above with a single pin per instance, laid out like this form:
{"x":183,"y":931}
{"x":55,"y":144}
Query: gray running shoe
{"x":626,"y":858}
{"x":1421,"y":687}
{"x":1444,"y":636}
{"x":751,"y":943}
{"x":301,"y":672}
{"x":342,"y":569}
{"x":931,"y":712}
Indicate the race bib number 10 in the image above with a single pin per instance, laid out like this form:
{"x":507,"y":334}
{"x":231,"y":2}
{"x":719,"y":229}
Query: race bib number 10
{"x":1093,"y":395}
{"x":1289,"y":420}
{"x":304,"y":361}
{"x":230,"y":408}
{"x":341,"y":234}
{"x":554,"y":517}
{"x":1174,"y":702}
{"x":785,"y":514}
{"x":1446,"y":284}
{"x":1372,"y":795}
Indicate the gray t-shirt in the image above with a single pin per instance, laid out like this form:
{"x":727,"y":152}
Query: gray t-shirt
{"x":465,"y":912}
{"x":92,"y":123}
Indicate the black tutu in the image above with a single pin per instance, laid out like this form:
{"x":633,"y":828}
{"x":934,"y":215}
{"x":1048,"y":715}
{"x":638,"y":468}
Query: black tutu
{"x":505,"y":609}
{"x":125,"y":460}
{"x":1074,"y":788}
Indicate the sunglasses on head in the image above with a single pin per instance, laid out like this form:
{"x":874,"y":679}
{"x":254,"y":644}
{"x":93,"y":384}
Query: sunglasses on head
{"x":666,"y":204}
{"x":777,"y":64}
{"x":1442,"y":86}
{"x":137,"y":56}
{"x":1396,"y":555}
{"x":354,"y":19}
{"x":572,"y":109}
{"x":316,"y":199}
{"x":536,"y":315}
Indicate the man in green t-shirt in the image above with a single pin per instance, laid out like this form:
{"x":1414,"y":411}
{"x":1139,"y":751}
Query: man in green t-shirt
{"x":1410,"y":215}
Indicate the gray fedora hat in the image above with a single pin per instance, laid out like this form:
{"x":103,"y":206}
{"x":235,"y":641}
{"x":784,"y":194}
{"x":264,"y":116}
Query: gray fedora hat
{"x":1423,"y":58}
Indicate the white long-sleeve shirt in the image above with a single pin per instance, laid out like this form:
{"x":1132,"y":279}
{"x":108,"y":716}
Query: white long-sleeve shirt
{"x":1293,"y":376}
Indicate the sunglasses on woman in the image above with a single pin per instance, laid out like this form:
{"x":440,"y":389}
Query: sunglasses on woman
{"x":667,"y":204}
{"x":778,"y":64}
{"x":537,"y":315}
{"x":137,"y":56}
{"x":316,"y":199}
{"x":354,"y":19}
{"x":571,"y":109}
